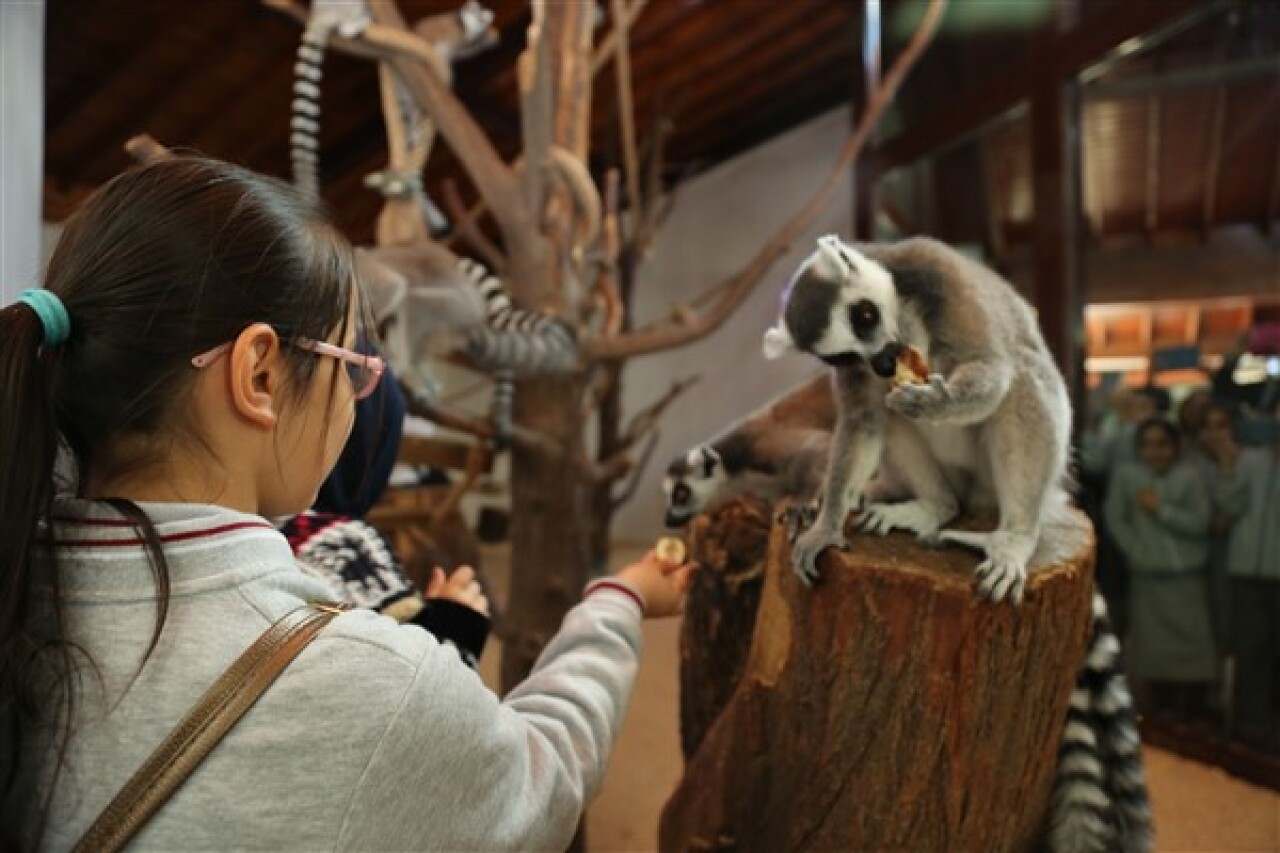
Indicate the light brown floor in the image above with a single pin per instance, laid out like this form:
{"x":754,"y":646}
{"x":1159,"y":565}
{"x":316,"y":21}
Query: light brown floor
{"x":1198,"y":809}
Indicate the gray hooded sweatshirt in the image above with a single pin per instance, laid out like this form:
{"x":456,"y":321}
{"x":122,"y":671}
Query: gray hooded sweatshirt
{"x":375,"y":738}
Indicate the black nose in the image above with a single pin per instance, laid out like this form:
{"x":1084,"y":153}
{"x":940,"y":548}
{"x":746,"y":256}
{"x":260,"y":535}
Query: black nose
{"x":674,"y":519}
{"x":886,"y":361}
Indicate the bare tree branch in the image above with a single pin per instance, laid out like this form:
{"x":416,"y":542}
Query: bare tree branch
{"x":645,"y":421}
{"x":610,"y":244}
{"x":629,"y":490}
{"x":522,"y":437}
{"x":669,"y":336}
{"x":388,"y":40}
{"x":610,"y":43}
{"x":466,"y":226}
{"x":536,"y":111}
{"x":626,"y":111}
{"x":655,"y":207}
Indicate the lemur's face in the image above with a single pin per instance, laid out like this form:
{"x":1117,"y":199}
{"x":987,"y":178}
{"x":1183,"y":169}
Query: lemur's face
{"x":691,"y":482}
{"x":839,"y":306}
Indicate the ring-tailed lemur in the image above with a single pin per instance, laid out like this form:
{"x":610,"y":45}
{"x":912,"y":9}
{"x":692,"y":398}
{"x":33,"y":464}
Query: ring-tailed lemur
{"x":779,"y":450}
{"x":988,"y":431}
{"x":513,"y":341}
{"x":1100,"y":801}
{"x":429,"y":302}
{"x":349,"y":18}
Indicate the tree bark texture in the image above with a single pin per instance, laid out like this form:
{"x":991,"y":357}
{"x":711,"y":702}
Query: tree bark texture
{"x":550,"y":493}
{"x":730,"y":545}
{"x":889,"y":708}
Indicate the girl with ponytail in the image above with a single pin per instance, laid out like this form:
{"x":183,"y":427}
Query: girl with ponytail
{"x":187,"y":372}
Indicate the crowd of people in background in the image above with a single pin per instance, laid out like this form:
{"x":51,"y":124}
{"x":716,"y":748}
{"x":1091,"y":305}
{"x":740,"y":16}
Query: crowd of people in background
{"x":1184,"y":489}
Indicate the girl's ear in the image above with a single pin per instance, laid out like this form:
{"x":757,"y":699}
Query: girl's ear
{"x":256,"y":375}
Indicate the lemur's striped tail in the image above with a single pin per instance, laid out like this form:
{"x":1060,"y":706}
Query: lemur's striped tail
{"x":304,"y":124}
{"x":1100,"y":801}
{"x":348,"y":17}
{"x":516,"y":341}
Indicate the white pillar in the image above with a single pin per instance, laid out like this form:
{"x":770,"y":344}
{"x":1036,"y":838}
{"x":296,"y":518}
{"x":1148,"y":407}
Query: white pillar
{"x":21,"y":144}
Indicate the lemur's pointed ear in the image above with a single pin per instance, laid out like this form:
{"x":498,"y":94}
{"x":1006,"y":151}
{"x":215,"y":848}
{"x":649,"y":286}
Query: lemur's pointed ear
{"x":829,"y":262}
{"x":710,"y":459}
{"x":778,"y":342}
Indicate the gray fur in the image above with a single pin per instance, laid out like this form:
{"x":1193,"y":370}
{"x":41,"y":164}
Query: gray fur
{"x":989,"y":430}
{"x":777,"y":451}
{"x":988,"y":433}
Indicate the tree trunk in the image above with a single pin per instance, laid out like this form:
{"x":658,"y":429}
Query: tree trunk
{"x":730,"y":544}
{"x":888,"y":708}
{"x":550,"y":494}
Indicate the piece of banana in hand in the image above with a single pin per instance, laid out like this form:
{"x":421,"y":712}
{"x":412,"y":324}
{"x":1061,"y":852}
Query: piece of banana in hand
{"x":671,"y":550}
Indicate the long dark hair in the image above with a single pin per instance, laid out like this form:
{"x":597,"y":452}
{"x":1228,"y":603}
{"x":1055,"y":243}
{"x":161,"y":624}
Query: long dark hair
{"x":162,"y":263}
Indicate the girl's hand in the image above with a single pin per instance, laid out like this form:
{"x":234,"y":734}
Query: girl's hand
{"x":662,"y":584}
{"x":1149,"y":499}
{"x":460,"y":587}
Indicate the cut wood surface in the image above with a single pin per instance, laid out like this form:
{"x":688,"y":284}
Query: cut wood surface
{"x":886,"y":709}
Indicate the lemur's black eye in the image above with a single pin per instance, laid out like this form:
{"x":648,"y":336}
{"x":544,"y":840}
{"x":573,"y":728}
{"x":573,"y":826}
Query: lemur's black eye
{"x":864,"y":317}
{"x":680,"y":494}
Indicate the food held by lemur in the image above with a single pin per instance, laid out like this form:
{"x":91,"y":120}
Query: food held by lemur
{"x":910,"y":368}
{"x":671,"y":550}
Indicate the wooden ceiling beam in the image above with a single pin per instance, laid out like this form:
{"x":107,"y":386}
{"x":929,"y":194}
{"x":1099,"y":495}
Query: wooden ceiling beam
{"x":796,"y":66}
{"x":71,"y":84}
{"x":1213,"y":161}
{"x":158,"y":71}
{"x":1151,"y":205}
{"x":719,"y":141}
{"x":1009,"y":88}
{"x":701,"y":81}
{"x":1095,"y":186}
{"x":1273,"y":201}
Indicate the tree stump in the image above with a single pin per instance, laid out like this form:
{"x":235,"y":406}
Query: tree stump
{"x":730,"y":544}
{"x":888,"y":708}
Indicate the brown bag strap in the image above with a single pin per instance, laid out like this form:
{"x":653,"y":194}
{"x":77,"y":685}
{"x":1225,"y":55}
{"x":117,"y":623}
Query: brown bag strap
{"x":220,"y":708}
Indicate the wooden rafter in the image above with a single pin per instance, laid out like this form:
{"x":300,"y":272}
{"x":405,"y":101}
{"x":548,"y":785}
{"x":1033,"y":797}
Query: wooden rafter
{"x":665,"y":335}
{"x":626,"y":108}
{"x":1213,"y":161}
{"x":1079,"y":48}
{"x":1095,"y":182}
{"x":1273,"y":203}
{"x":1151,"y":208}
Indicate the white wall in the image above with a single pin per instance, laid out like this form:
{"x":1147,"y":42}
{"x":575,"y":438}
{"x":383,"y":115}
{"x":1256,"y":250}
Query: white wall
{"x":720,"y":220}
{"x":21,"y":144}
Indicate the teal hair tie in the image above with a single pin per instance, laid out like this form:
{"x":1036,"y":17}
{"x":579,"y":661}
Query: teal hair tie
{"x":52,"y":313}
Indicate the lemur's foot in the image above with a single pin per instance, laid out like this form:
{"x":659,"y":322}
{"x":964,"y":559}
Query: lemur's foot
{"x":1004,"y":573}
{"x":805,"y":552}
{"x":927,"y":400}
{"x":916,"y":516}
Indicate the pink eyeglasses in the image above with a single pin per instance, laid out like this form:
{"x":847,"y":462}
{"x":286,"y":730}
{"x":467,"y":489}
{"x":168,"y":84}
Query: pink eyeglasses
{"x":364,"y":371}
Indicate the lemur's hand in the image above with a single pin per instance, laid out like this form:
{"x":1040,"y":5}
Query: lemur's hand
{"x":926,"y":400}
{"x":815,"y":540}
{"x":798,"y":518}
